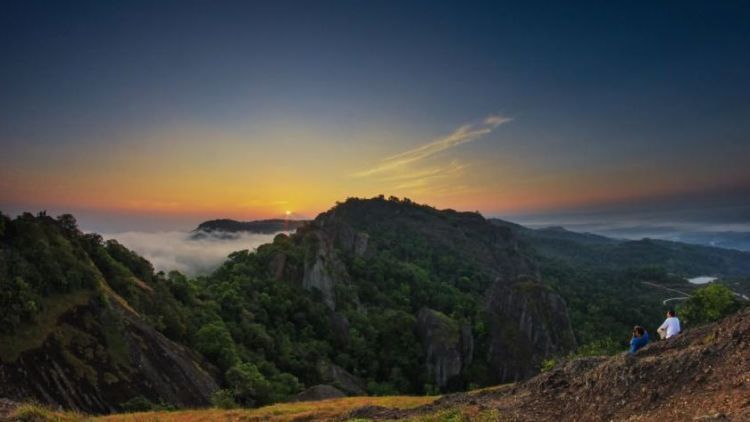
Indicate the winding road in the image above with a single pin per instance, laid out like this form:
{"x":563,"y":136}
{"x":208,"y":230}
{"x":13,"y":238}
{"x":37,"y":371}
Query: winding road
{"x":684,"y":296}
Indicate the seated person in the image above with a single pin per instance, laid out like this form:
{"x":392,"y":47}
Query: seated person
{"x":671,"y":325}
{"x":640,"y":339}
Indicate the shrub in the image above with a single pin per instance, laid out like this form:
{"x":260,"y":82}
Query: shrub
{"x":223,"y":399}
{"x":709,"y":303}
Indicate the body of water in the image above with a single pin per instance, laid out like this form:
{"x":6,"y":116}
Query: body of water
{"x":704,"y":279}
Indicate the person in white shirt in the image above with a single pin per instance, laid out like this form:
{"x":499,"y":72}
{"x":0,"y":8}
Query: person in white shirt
{"x":670,"y":327}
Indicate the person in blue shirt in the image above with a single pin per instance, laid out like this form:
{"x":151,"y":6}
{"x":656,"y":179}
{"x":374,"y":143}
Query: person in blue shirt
{"x":640,"y":339}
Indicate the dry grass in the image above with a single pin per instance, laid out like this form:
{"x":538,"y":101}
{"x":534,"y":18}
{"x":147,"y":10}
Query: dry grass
{"x":37,"y":413}
{"x":460,"y":414}
{"x":317,"y":410}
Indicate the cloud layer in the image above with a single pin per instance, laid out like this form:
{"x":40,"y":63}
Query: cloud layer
{"x":176,"y":250}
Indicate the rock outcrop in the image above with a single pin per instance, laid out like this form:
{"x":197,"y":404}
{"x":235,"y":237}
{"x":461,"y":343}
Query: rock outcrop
{"x":527,"y":324}
{"x":323,"y":268}
{"x":448,"y":346}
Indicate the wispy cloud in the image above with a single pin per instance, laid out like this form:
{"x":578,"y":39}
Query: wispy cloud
{"x":462,"y":135}
{"x":427,"y":177}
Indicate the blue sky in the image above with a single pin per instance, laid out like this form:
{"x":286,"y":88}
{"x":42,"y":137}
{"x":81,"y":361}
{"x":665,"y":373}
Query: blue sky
{"x":189,"y":109}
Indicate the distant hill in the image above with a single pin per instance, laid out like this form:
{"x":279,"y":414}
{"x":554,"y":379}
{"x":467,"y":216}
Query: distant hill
{"x":720,"y":239}
{"x":602,"y":252}
{"x":257,"y":226}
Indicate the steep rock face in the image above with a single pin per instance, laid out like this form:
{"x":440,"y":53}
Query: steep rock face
{"x":276,"y":267}
{"x":448,"y":346}
{"x":323,"y":268}
{"x":101,"y":355}
{"x":527,"y":323}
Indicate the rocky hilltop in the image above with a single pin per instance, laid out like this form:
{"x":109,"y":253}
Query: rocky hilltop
{"x":517,"y":322}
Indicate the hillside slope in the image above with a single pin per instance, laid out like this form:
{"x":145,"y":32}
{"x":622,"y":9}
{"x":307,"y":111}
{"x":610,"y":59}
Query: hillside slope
{"x":703,"y":374}
{"x":70,"y":338}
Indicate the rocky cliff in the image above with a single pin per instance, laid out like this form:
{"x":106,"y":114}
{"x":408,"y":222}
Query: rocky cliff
{"x":448,"y":345}
{"x":528,"y":323}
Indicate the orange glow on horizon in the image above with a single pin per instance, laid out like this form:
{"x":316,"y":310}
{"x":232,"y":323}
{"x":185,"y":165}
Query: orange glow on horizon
{"x":176,"y":172}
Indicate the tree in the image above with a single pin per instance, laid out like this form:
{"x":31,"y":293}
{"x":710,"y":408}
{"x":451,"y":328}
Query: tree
{"x":709,"y":303}
{"x":248,"y":384}
{"x":215,"y":342}
{"x":20,"y":302}
{"x":68,"y":224}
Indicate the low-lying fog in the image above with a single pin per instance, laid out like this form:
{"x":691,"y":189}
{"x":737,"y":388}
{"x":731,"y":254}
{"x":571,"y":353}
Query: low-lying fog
{"x":178,"y":250}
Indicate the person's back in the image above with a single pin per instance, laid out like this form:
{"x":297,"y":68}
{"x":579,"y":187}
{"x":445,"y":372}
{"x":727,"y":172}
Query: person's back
{"x":671,"y":326}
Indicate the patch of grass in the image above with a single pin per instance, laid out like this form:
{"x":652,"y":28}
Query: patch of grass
{"x":316,"y":410}
{"x":491,"y":388}
{"x":38,"y":413}
{"x":459,"y":414}
{"x":32,"y":335}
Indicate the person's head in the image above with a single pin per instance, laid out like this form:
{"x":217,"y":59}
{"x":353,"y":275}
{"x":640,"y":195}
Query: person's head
{"x":671,"y":313}
{"x":638,"y":331}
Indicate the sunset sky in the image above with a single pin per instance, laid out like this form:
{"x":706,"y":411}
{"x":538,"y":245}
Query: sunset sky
{"x":140,"y":114}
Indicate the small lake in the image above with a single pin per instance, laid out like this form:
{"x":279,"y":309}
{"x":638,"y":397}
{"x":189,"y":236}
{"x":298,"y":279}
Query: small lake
{"x":704,"y":279}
